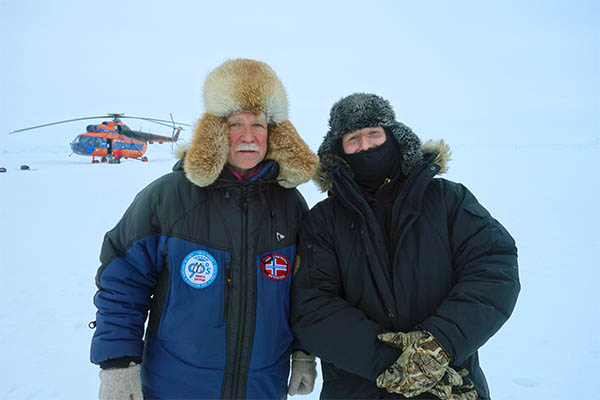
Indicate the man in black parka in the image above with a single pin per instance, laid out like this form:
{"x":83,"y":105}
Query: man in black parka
{"x":404,"y":276}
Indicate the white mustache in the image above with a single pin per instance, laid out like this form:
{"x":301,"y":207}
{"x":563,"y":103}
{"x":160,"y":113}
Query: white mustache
{"x":247,"y":147}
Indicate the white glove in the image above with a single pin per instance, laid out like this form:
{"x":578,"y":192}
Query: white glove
{"x":121,"y":383}
{"x":304,"y":372}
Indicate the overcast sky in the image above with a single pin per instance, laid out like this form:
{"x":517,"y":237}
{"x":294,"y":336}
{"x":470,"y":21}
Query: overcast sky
{"x":517,"y":72}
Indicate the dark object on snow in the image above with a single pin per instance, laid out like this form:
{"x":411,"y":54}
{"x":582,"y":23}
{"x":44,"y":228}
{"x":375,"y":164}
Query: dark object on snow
{"x":25,"y":167}
{"x":2,"y":169}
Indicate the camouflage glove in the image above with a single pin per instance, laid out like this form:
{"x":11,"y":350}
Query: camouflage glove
{"x":304,"y":372}
{"x":455,"y":386}
{"x":121,"y":383}
{"x":419,"y":368}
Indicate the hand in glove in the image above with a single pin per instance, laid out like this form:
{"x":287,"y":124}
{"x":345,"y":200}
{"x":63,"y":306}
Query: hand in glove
{"x":455,"y":386}
{"x":419,"y":368}
{"x":121,"y":383}
{"x":304,"y":372}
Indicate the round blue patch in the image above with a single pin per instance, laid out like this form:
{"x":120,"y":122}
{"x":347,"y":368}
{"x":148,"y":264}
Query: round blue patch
{"x":199,"y":269}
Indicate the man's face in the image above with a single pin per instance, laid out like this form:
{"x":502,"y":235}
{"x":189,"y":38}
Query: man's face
{"x":363,"y":139}
{"x":247,"y":141}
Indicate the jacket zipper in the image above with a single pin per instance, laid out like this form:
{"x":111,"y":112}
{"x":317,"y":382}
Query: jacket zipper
{"x":366,"y":241}
{"x":243,"y":290}
{"x":388,"y":308}
{"x":242,"y":350}
{"x":227,"y":386}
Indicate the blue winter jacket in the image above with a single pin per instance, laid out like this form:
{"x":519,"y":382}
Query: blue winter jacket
{"x":213,"y":265}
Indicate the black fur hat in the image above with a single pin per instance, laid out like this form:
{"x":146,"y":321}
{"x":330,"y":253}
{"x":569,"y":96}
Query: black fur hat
{"x":358,"y":111}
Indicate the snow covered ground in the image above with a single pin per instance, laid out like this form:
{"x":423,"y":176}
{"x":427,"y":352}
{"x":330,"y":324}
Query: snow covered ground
{"x":53,"y":218}
{"x":513,"y":87}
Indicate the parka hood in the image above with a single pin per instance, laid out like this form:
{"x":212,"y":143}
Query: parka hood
{"x":362,"y":110}
{"x":246,"y":85}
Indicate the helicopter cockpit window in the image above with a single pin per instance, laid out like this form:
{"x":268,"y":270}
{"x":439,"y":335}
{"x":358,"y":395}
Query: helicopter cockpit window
{"x":77,"y":139}
{"x":98,"y":142}
{"x":88,"y":140}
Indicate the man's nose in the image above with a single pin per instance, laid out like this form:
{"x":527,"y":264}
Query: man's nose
{"x":364,"y":143}
{"x":246,"y":133}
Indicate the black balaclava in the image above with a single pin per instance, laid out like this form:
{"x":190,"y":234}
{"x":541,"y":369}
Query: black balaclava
{"x":371,"y":167}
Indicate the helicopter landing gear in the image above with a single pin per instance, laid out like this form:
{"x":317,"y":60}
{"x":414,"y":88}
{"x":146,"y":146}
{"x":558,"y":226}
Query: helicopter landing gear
{"x":94,"y":161}
{"x":104,"y":159}
{"x":144,"y":159}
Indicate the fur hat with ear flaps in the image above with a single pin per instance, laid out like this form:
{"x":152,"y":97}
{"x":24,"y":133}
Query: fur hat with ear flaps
{"x":246,"y":85}
{"x":364,"y":110}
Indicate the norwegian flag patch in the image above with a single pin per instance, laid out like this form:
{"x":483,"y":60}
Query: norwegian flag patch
{"x":275,"y":267}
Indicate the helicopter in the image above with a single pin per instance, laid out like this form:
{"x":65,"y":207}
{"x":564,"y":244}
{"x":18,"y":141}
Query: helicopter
{"x":113,"y":140}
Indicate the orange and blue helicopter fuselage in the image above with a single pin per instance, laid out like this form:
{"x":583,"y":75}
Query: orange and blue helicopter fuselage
{"x":104,"y":143}
{"x":105,"y":140}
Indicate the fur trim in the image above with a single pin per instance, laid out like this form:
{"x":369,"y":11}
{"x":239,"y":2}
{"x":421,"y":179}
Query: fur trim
{"x":363,"y":110}
{"x":358,"y":111}
{"x":180,"y":149}
{"x":321,"y":179}
{"x":442,"y":153}
{"x":207,"y":155}
{"x":297,"y":163}
{"x":246,"y":85}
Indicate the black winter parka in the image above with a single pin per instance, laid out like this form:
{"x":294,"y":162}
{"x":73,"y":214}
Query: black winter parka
{"x":453,"y":271}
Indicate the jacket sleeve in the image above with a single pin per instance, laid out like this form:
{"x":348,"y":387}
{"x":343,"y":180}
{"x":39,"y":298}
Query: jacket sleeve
{"x":131,"y":260}
{"x":486,"y":280}
{"x":323,"y":322}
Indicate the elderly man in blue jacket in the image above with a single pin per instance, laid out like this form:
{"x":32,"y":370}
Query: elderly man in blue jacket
{"x":209,"y":250}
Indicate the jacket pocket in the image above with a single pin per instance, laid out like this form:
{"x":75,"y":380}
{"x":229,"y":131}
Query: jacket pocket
{"x":273,"y":335}
{"x":192,"y":327}
{"x":196,"y":298}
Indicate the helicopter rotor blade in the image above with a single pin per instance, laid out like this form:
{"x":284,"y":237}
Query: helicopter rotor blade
{"x":159,"y":123}
{"x":114,"y":116}
{"x":56,"y":123}
{"x":156,"y":120}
